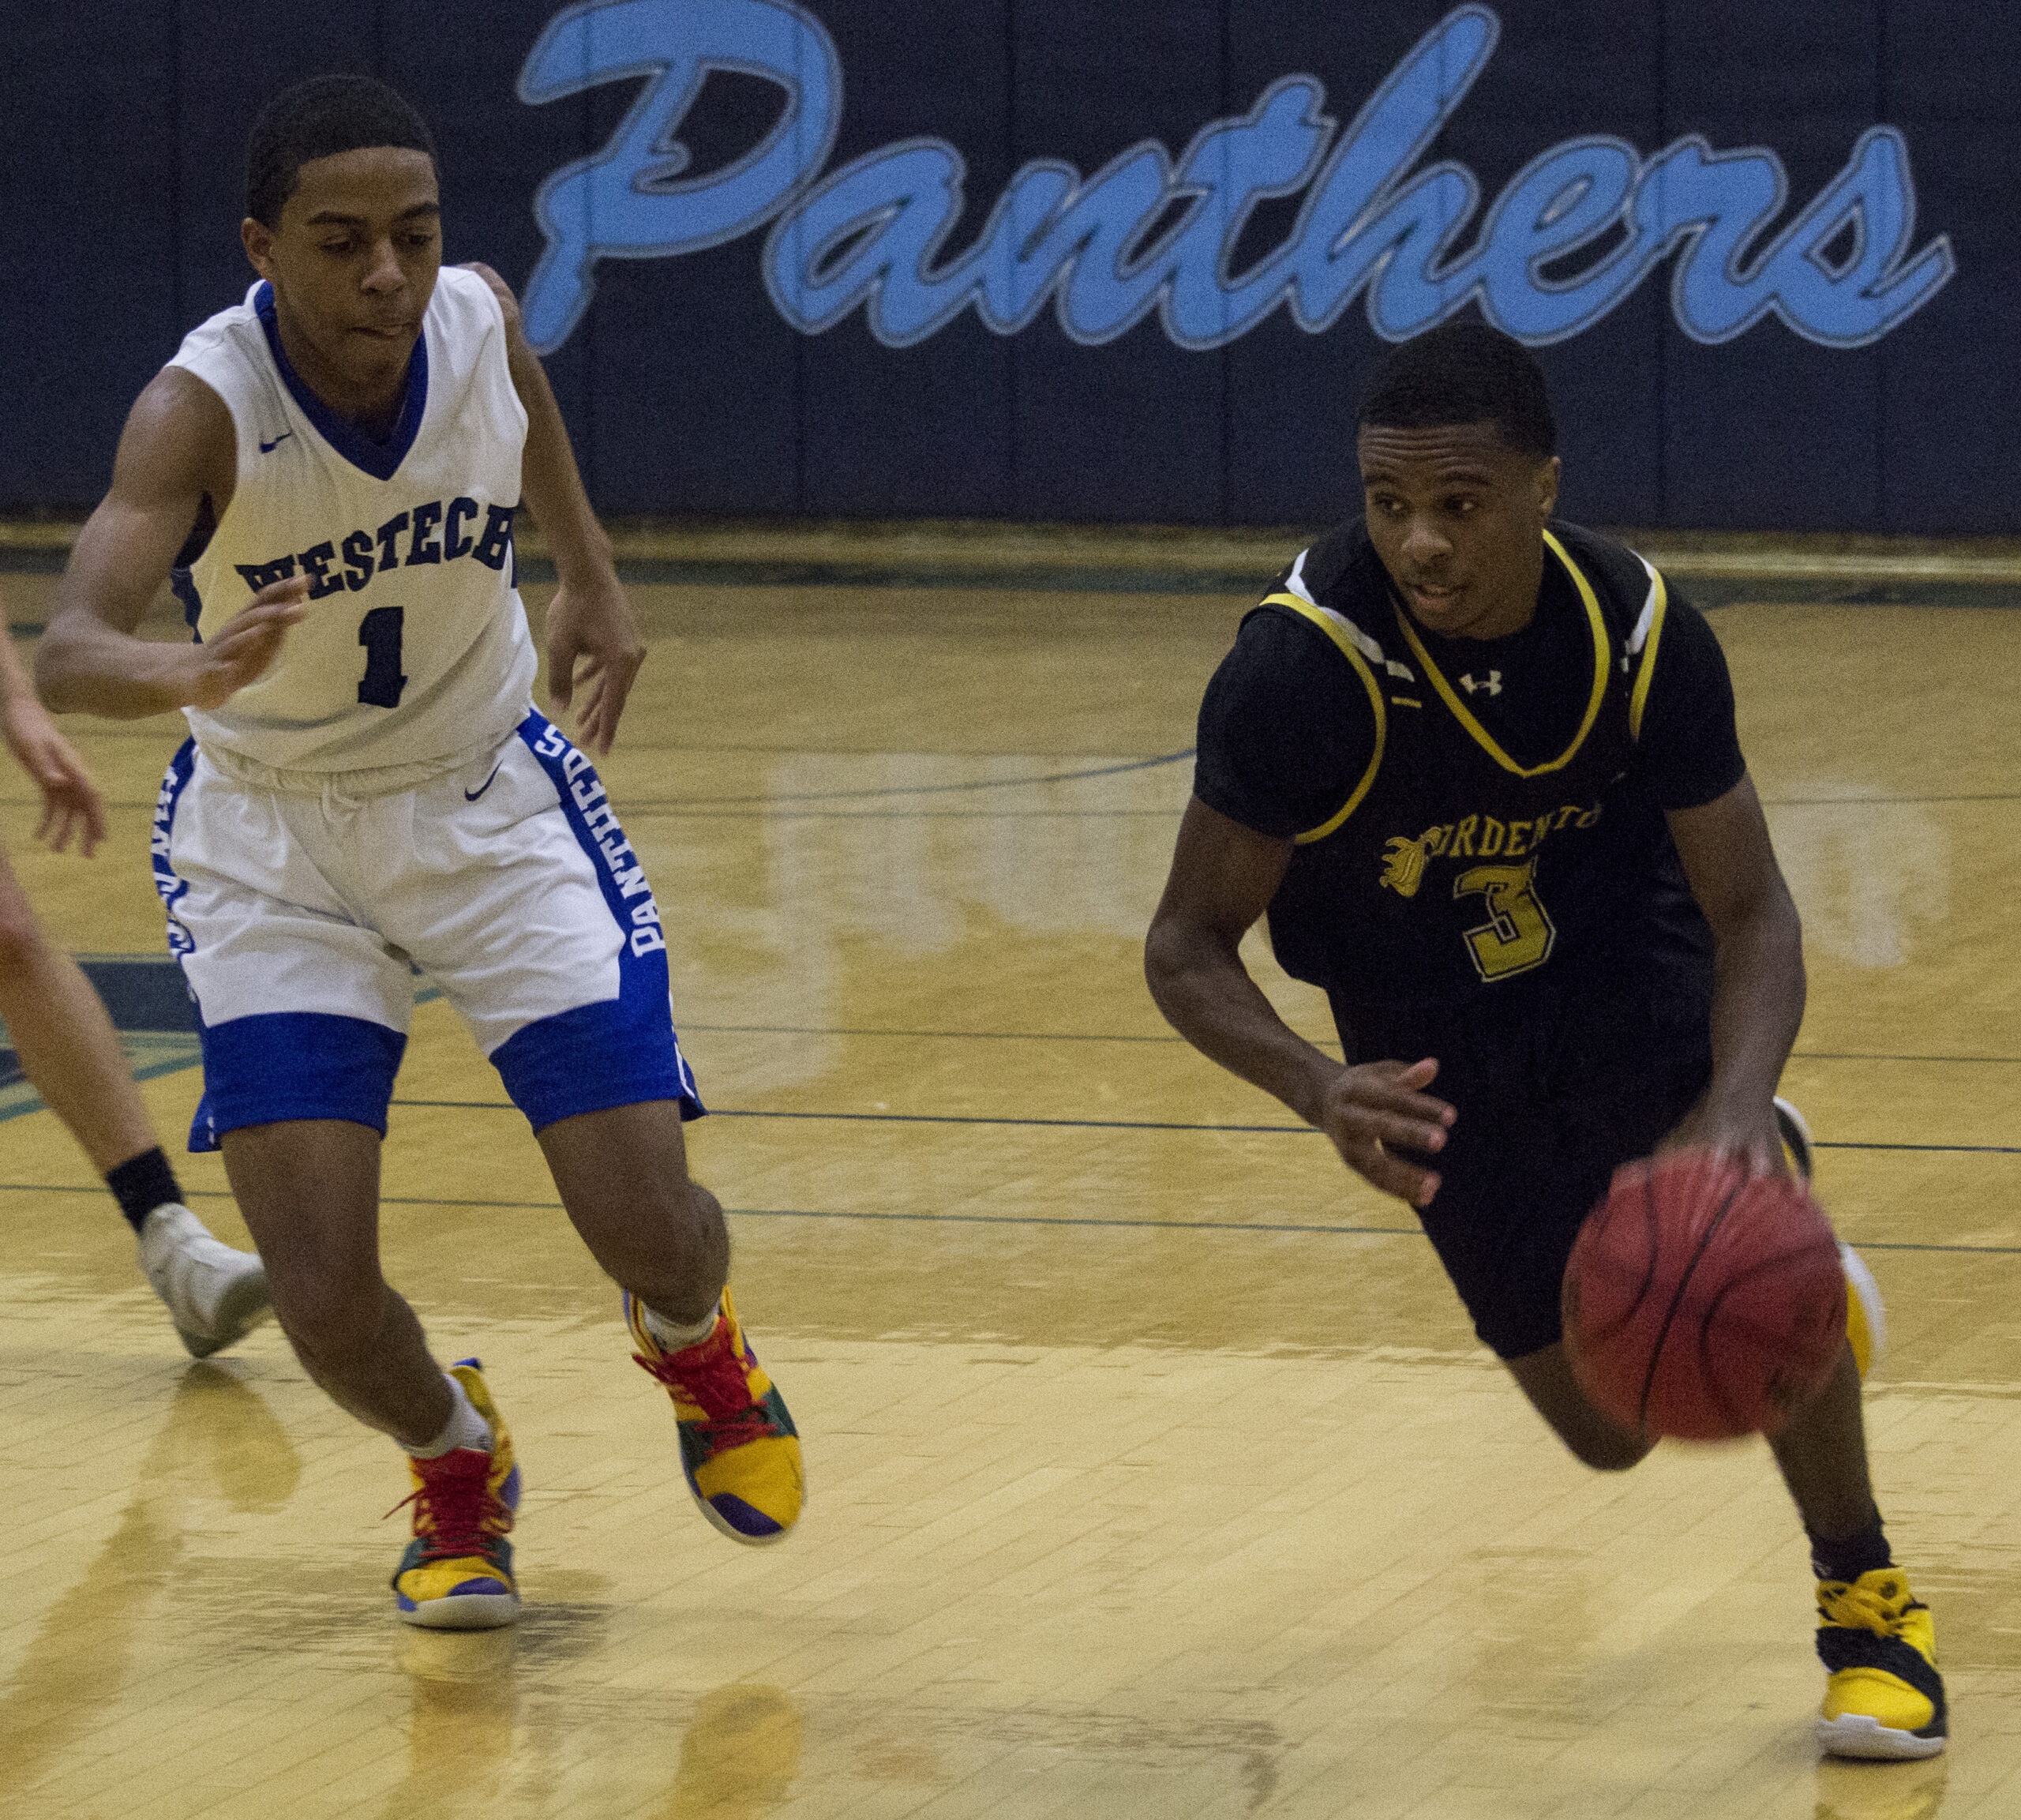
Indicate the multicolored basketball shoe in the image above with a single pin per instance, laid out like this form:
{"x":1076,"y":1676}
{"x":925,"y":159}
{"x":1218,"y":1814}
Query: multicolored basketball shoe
{"x":1885,"y":1697}
{"x":1866,"y":1319}
{"x":739,"y":1449}
{"x":457,"y":1572}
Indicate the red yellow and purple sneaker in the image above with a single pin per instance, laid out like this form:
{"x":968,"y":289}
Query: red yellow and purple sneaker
{"x":457,"y":1572}
{"x":1885,"y":1697}
{"x":739,"y":1449}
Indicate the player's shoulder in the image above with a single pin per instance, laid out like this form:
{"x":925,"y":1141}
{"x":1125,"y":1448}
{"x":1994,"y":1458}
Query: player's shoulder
{"x":475,"y":294}
{"x":1339,"y":570}
{"x":181,"y":430}
{"x":1626,"y":582}
{"x":1333,"y":593}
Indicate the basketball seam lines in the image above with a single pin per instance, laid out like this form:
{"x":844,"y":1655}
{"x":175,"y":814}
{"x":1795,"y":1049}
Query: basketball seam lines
{"x":1677,"y":1298}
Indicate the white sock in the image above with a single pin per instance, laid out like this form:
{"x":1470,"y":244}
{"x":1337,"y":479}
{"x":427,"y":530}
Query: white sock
{"x":671,"y":1336}
{"x":465,"y":1428}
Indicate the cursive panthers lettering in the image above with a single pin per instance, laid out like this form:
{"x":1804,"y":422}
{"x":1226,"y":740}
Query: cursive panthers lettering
{"x":1574,"y":232}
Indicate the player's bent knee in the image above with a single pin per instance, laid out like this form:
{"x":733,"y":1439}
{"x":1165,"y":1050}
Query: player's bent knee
{"x":334,"y":1328}
{"x":1607,"y":1453}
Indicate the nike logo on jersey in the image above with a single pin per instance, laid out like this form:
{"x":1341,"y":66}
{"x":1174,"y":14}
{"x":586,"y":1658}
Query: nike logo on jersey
{"x":269,"y":448}
{"x":1492,"y":686}
{"x":472,"y":795}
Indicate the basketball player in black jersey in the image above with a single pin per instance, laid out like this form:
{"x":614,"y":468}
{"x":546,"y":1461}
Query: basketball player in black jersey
{"x":1478,"y":767}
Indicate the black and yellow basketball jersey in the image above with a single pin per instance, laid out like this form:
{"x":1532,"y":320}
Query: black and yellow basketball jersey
{"x":1462,"y":871}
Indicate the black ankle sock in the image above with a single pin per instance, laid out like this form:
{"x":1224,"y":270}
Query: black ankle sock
{"x":141,"y":1183}
{"x":1850,"y":1557}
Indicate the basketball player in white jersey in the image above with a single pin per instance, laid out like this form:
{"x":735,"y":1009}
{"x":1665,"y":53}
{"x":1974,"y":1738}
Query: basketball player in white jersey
{"x":70,"y":1053}
{"x":332,"y":467}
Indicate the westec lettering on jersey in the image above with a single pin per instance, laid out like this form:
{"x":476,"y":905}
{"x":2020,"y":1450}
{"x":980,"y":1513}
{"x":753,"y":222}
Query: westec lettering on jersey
{"x":1571,"y":234}
{"x":434,"y":532}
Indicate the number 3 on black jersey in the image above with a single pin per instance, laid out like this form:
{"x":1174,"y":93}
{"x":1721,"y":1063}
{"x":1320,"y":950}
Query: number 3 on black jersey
{"x":380,"y":632}
{"x":1517,"y":934}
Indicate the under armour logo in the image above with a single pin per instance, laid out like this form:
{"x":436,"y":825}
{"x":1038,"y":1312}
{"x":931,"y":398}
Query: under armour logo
{"x":1493,"y":685}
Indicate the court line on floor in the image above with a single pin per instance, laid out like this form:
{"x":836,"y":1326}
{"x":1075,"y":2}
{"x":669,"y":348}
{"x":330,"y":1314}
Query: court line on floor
{"x":1123,"y":1124}
{"x":976,"y":1219}
{"x":909,"y":790}
{"x":1880,"y":801}
{"x":1101,"y":1036}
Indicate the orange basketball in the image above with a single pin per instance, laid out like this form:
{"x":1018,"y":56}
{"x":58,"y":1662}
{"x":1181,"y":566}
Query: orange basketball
{"x":1701,"y":1303}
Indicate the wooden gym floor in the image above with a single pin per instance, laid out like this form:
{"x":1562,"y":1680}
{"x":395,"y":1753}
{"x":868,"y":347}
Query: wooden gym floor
{"x":1153,"y":1469}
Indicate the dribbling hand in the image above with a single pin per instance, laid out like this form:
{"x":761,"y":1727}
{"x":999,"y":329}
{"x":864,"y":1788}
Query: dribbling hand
{"x":1753,"y":1140}
{"x":1369,"y":1107}
{"x":594,"y":652}
{"x":246,"y":647}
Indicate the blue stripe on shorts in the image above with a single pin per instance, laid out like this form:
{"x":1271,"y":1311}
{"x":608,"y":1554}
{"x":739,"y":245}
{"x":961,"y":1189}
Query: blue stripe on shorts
{"x":277,"y":1065}
{"x":619,"y":1052}
{"x":167,"y":886}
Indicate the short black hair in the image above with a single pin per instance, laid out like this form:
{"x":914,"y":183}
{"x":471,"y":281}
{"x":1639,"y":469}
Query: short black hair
{"x":318,"y":118}
{"x":1462,"y":373}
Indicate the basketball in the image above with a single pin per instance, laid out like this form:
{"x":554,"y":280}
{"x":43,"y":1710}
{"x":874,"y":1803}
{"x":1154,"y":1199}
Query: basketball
{"x":1701,"y":1303}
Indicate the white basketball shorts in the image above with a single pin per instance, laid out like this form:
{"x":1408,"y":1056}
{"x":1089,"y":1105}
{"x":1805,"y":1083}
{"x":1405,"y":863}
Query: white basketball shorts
{"x":301,"y":920}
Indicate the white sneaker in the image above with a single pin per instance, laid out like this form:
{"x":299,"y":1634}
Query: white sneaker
{"x":215,"y":1295}
{"x":1796,"y":1135}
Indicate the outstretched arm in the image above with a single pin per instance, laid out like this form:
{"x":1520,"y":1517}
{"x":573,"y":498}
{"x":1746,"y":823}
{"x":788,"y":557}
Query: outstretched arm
{"x":177,"y":447}
{"x":1224,"y":876}
{"x":1758,"y":977}
{"x":589,"y":620}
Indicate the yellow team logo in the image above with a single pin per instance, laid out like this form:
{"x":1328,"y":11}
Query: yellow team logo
{"x":1517,"y":934}
{"x":1403,"y":862}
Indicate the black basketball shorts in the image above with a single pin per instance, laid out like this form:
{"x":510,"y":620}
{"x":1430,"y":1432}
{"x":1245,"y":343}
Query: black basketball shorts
{"x":1546,"y":1114}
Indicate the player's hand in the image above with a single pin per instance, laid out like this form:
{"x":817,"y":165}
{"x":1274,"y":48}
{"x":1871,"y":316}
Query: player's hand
{"x":594,"y":652}
{"x":245,"y":648}
{"x":70,"y":801}
{"x":1753,"y":1139}
{"x":1372,"y":1107}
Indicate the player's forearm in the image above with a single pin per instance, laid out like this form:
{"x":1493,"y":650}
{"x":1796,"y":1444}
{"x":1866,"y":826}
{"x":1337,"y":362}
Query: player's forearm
{"x":14,"y":684}
{"x":1757,"y":1003}
{"x":85,"y":666}
{"x":1207,"y":996}
{"x":552,"y":486}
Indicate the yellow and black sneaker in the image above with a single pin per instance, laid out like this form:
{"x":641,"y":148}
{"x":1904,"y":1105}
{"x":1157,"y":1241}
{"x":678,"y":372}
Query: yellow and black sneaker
{"x":1885,"y":1697}
{"x":457,"y":1572}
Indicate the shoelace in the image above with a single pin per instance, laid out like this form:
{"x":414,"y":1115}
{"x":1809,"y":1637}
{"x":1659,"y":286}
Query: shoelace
{"x":711,"y":1376}
{"x":1863,"y":1608}
{"x":455,"y":1512}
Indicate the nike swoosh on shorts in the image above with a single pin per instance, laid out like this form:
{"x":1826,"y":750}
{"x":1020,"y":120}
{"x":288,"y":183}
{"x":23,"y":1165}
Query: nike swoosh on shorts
{"x":472,"y":795}
{"x":269,"y":448}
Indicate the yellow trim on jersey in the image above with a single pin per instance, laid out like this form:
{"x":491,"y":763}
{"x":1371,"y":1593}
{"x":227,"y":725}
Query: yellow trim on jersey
{"x":1601,"y":650}
{"x":1335,"y":632}
{"x":1659,"y":598}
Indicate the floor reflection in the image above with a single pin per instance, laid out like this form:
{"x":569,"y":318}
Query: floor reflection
{"x":740,"y":1756}
{"x":1880,"y":1790}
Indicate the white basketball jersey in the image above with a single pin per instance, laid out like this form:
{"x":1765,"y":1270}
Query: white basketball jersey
{"x":414,"y":647}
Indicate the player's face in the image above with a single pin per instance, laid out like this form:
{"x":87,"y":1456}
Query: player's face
{"x":1457,"y":517}
{"x":353,"y":264}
